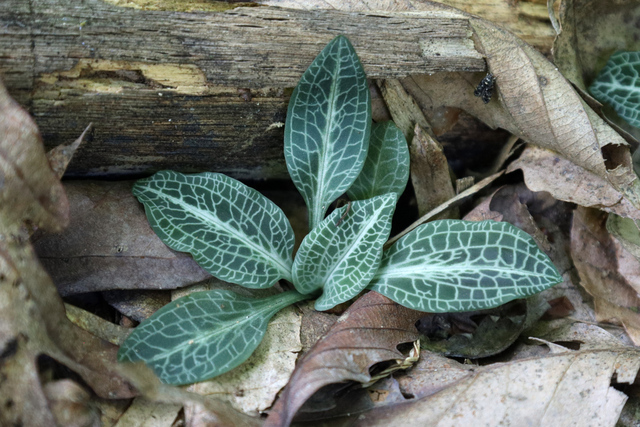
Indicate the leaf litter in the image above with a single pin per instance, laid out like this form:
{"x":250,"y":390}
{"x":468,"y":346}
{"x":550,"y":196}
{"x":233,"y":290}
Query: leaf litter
{"x":589,"y":166}
{"x":33,"y":325}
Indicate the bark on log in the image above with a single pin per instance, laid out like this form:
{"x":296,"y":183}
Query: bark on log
{"x":195,"y":91}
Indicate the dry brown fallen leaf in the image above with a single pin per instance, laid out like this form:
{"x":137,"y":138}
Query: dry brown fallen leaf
{"x":218,"y":413}
{"x":607,"y":271}
{"x":589,"y":32}
{"x":627,"y":232}
{"x":32,"y":316}
{"x":506,"y":204}
{"x":110,"y":245}
{"x":146,"y":413}
{"x":71,"y":404}
{"x":533,"y":101}
{"x":96,"y":325}
{"x":367,"y":333}
{"x":504,"y":390}
{"x":59,"y":157}
{"x":430,"y":174}
{"x":544,"y":170}
{"x":568,"y":388}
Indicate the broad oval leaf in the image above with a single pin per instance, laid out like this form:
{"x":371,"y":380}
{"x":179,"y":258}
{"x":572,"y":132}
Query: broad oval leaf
{"x":203,"y":334}
{"x":231,"y":230}
{"x":618,"y":85}
{"x":449,"y":266}
{"x":328,"y":126}
{"x":386,"y":168}
{"x":342,"y":254}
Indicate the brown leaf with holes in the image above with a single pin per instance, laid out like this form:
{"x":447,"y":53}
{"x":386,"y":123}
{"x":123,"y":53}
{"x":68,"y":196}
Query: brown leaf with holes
{"x":532,"y":100}
{"x":367,"y":333}
{"x":607,"y":271}
{"x":560,"y":388}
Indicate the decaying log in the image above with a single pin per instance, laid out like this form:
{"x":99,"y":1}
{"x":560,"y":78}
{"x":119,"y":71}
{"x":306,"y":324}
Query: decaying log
{"x":195,"y":91}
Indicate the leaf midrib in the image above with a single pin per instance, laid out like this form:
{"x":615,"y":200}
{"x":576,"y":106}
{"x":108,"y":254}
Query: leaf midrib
{"x":423,"y":272}
{"x":278,"y":303}
{"x":325,"y":144}
{"x":356,"y":241}
{"x":207,"y":217}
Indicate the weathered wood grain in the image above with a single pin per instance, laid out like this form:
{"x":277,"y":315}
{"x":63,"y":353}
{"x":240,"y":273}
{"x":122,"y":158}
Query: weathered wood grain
{"x":195,"y":91}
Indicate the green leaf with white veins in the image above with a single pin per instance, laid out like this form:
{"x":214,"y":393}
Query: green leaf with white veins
{"x":327,"y":128}
{"x":231,"y":230}
{"x":618,"y":84}
{"x":203,"y":334}
{"x":449,"y":266}
{"x":386,"y":169}
{"x":341,"y":254}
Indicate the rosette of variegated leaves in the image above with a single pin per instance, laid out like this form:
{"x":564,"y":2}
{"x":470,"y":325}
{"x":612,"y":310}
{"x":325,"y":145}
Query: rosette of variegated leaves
{"x":238,"y":235}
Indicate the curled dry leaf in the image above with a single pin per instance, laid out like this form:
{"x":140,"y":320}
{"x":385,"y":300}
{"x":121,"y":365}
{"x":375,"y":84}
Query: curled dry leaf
{"x":110,"y":245}
{"x":479,"y":334}
{"x":544,"y":170}
{"x":32,"y":315}
{"x":542,"y":108}
{"x":607,"y":271}
{"x":405,"y":111}
{"x":588,"y":34}
{"x":367,"y":333}
{"x":627,"y":231}
{"x":60,"y":156}
{"x":534,"y":102}
{"x":30,"y":189}
{"x":558,"y":389}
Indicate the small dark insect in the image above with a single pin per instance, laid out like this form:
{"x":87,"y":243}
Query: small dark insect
{"x":485,"y":88}
{"x":346,"y":212}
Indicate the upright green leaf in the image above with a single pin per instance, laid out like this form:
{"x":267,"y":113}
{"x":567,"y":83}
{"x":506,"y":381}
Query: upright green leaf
{"x":231,"y":230}
{"x":328,"y":126}
{"x":203,"y":334}
{"x":618,"y":84}
{"x":341,"y":254}
{"x":448,"y":266}
{"x":386,"y":169}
